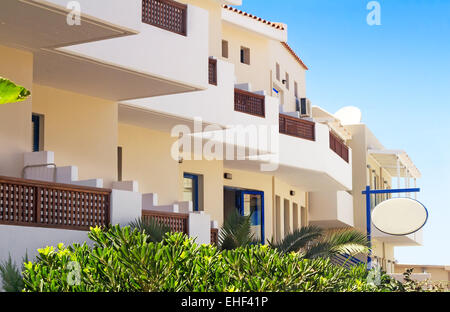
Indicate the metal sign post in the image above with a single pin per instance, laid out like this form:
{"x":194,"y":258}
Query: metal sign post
{"x":369,"y":192}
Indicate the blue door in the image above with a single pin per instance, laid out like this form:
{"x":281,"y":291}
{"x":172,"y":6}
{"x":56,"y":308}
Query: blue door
{"x":252,"y":203}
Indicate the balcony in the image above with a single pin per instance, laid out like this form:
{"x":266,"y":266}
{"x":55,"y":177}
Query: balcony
{"x":52,"y":205}
{"x":166,"y":53}
{"x":331,"y":209}
{"x":38,"y":24}
{"x":296,"y":127}
{"x":305,"y":152}
{"x":338,"y":146}
{"x":221,"y":104}
{"x":249,"y":103}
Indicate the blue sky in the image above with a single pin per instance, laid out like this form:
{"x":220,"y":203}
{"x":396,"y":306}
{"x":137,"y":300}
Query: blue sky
{"x":398,"y":73}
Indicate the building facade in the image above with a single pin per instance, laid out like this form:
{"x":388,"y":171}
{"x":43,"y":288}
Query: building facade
{"x":180,"y":110}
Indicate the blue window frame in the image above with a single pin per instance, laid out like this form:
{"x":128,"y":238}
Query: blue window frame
{"x":190,"y":189}
{"x":35,"y":119}
{"x":256,"y":209}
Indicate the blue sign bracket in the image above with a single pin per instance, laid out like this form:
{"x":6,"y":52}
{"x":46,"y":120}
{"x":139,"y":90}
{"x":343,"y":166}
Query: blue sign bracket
{"x":369,"y":192}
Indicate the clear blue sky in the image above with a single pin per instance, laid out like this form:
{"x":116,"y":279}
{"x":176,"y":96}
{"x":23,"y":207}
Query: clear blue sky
{"x":397,"y":73}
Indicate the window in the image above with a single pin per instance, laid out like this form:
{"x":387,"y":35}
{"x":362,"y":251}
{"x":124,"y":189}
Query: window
{"x":296,"y":89}
{"x":224,"y":48}
{"x":245,"y":55}
{"x":190,"y":189}
{"x":287,"y":81}
{"x":37,"y":132}
{"x":278,"y":73}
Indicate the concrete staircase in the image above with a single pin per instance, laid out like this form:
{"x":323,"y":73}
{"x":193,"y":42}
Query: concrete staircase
{"x":41,"y":166}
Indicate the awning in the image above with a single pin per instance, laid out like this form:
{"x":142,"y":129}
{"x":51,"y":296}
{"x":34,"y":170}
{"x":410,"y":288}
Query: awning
{"x":396,"y":162}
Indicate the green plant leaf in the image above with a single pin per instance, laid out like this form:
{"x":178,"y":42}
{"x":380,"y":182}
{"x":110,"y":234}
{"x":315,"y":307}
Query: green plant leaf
{"x":11,"y":93}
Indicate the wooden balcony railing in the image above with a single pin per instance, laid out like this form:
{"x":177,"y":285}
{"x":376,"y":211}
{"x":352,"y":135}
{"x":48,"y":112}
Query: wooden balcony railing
{"x":177,"y":222}
{"x":52,"y":205}
{"x":249,"y":103}
{"x":297,"y":127}
{"x":212,"y":71}
{"x":339,"y":147}
{"x":214,"y":236}
{"x":166,"y":14}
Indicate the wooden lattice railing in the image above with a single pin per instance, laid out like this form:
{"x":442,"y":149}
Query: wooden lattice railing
{"x":212,"y":71}
{"x":249,"y":103}
{"x":297,"y":127}
{"x":52,"y":205}
{"x":339,"y":147}
{"x":166,"y":14}
{"x":177,"y":222}
{"x":214,"y":236}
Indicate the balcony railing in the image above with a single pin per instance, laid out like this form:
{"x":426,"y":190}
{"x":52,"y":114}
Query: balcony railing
{"x":166,"y":14}
{"x":52,"y":205}
{"x":249,"y":103}
{"x":212,"y":71}
{"x":339,"y":147}
{"x":176,"y":222}
{"x":214,"y":236}
{"x":297,"y":127}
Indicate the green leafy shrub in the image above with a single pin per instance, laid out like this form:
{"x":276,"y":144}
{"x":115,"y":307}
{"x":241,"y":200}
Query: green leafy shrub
{"x":126,"y":260}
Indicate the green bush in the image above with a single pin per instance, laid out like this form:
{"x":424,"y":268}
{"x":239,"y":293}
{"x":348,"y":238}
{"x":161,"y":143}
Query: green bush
{"x":126,"y":260}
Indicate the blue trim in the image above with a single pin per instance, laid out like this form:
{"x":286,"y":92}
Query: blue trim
{"x":194,"y":179}
{"x":369,"y":191}
{"x":255,"y":217}
{"x":36,"y":127}
{"x":276,"y":91}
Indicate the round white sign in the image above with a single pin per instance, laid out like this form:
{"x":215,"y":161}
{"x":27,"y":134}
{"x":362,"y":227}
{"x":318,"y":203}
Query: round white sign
{"x":399,"y":216}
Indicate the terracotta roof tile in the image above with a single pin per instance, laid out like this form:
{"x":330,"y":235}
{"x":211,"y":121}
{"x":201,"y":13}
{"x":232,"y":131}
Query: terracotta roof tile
{"x":259,"y":19}
{"x":299,"y":60}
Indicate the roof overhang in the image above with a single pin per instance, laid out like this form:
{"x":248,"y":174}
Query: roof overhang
{"x":271,"y":30}
{"x":396,"y":162}
{"x":33,"y":25}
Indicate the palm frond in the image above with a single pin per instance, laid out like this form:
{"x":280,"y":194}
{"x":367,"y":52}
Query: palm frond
{"x":347,"y":241}
{"x":344,"y":241}
{"x":152,"y":228}
{"x":236,"y":232}
{"x":298,"y":239}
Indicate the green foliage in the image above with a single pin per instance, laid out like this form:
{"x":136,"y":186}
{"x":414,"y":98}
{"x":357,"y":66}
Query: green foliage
{"x":11,"y":93}
{"x":126,"y":260}
{"x":11,"y":276}
{"x":152,"y":228}
{"x":236,"y":232}
{"x":411,"y":285}
{"x":312,"y":242}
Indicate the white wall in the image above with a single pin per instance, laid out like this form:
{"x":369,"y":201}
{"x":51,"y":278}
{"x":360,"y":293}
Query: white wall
{"x":125,"y":14}
{"x":125,"y":207}
{"x":200,"y":227}
{"x":20,"y":240}
{"x":331,"y":209}
{"x":158,"y":52}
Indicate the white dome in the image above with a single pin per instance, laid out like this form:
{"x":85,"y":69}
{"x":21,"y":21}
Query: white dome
{"x":349,"y":115}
